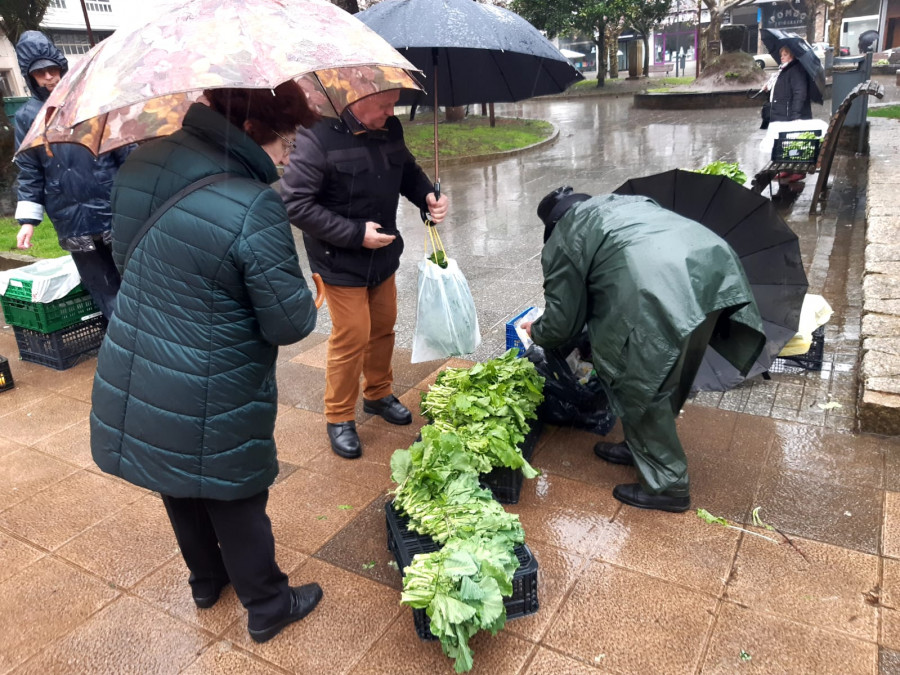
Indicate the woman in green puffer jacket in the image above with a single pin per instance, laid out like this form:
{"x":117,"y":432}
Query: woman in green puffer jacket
{"x":184,"y":398}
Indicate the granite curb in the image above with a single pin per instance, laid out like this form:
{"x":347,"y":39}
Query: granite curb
{"x":879,"y":381}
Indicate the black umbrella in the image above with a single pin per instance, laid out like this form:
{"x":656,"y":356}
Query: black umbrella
{"x":470,"y":53}
{"x":767,"y":247}
{"x":774,"y":39}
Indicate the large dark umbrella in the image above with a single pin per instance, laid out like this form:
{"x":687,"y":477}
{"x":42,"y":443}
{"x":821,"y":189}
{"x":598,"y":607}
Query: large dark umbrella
{"x":774,"y":39}
{"x":767,"y":247}
{"x":470,"y":53}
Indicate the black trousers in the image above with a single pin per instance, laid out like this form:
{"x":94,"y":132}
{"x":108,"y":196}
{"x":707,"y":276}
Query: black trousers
{"x":99,"y":276}
{"x":232,"y":540}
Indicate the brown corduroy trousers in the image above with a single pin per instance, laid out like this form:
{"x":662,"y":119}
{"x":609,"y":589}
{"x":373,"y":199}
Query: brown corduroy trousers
{"x":361,"y":343}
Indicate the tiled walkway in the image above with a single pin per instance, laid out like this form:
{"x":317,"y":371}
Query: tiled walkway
{"x":91,"y":580}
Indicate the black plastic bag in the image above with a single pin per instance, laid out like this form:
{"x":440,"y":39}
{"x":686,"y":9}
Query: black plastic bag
{"x":567,"y":402}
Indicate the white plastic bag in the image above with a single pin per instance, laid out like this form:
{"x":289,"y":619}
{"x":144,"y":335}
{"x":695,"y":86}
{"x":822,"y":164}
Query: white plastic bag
{"x":51,"y":278}
{"x":446,"y":322}
{"x":815,"y":312}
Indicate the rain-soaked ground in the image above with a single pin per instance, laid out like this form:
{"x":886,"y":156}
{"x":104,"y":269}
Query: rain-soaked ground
{"x":91,"y":580}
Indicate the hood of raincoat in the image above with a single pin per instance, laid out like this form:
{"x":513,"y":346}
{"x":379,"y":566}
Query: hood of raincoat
{"x":34,"y":46}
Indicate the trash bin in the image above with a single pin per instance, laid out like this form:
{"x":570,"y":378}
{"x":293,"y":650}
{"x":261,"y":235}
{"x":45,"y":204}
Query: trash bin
{"x":11,"y":104}
{"x":828,"y":63}
{"x":848,"y":72}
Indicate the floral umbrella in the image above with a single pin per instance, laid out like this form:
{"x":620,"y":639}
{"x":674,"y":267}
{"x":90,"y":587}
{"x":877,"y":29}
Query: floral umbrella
{"x":138,"y":83}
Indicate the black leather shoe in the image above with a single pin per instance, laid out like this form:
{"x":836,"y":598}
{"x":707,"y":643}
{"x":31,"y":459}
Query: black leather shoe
{"x":614,"y":453}
{"x":344,"y":439}
{"x":303,"y":600}
{"x":208,"y":595}
{"x":389,"y":409}
{"x":633,"y":494}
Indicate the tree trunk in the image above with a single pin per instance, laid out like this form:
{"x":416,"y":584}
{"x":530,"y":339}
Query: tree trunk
{"x":455,"y":113}
{"x":647,"y":56}
{"x":351,"y":6}
{"x":710,"y":33}
{"x":612,"y":49}
{"x":834,"y":28}
{"x":8,"y":170}
{"x":602,"y":65}
{"x":812,"y":9}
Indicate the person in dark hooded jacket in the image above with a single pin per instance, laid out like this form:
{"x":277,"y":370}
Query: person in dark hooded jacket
{"x":72,"y":185}
{"x":654,"y":289}
{"x":185,"y":397}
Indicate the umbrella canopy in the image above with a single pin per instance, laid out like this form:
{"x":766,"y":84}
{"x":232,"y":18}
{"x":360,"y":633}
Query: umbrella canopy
{"x":139,"y":82}
{"x":767,"y":247}
{"x":481,"y":53}
{"x":774,"y":39}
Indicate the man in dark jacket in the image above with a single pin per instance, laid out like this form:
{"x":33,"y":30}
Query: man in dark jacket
{"x":342,"y":188}
{"x":654,"y":289}
{"x":72,"y":185}
{"x":185,"y":397}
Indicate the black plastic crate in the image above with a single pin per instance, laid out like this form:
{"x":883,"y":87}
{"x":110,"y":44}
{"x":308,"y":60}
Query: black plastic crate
{"x":811,"y":360}
{"x":63,"y":348}
{"x":6,"y":378}
{"x":789,"y":148}
{"x":506,"y":483}
{"x":405,"y":544}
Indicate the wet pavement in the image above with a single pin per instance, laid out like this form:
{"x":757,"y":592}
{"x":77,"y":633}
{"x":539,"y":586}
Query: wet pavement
{"x":91,"y":580}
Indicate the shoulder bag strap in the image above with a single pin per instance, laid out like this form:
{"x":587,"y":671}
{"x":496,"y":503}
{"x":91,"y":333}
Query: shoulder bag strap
{"x":169,"y":203}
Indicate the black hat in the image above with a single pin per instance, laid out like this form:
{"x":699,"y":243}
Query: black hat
{"x":554,"y":206}
{"x":42,"y":63}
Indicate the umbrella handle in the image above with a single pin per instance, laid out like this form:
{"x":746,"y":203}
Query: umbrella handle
{"x":320,"y":289}
{"x":426,"y":217}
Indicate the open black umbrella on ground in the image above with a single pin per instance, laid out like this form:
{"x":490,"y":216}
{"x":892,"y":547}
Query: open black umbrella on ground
{"x":470,"y":53}
{"x":774,"y":39}
{"x":767,"y":247}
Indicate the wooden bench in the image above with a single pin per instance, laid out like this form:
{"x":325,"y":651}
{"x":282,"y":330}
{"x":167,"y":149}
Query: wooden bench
{"x":822,"y":165}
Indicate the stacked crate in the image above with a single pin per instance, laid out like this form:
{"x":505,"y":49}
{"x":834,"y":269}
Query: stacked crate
{"x":56,"y":334}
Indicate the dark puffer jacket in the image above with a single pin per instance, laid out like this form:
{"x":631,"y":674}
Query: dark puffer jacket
{"x":335,"y":182}
{"x":790,"y":96}
{"x":72,"y":185}
{"x":184,"y":398}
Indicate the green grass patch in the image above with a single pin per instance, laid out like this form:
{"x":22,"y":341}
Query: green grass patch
{"x":889,"y":111}
{"x":44,"y":243}
{"x":473,"y":136}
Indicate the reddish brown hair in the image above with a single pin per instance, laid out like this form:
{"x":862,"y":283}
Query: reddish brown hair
{"x":282,"y":112}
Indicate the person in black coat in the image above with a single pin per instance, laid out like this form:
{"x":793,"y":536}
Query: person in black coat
{"x":72,"y":185}
{"x":342,"y":188}
{"x":790,"y":91}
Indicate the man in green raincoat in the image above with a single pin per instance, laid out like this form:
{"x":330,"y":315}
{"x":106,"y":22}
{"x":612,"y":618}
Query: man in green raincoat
{"x":654,"y":289}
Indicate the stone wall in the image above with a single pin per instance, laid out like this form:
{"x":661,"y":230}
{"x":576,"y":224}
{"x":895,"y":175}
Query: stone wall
{"x":879,"y":396}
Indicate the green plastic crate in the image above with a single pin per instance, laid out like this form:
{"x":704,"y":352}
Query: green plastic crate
{"x":46,"y":317}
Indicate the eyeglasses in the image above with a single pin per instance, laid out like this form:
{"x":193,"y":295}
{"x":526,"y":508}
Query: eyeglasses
{"x":289,"y":144}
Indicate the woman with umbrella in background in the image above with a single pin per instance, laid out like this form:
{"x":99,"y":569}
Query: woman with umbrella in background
{"x":789,"y":90}
{"x":789,"y":98}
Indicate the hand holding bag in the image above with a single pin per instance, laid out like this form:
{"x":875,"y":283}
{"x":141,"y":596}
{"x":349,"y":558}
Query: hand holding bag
{"x":446,"y":321}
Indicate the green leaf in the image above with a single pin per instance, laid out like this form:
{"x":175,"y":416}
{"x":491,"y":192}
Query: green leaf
{"x":706,"y":516}
{"x":344,"y":507}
